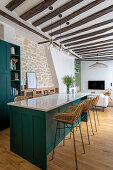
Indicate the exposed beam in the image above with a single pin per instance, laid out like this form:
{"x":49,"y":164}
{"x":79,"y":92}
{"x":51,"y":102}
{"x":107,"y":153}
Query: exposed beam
{"x":89,"y":39}
{"x":93,"y":52}
{"x":37,"y":9}
{"x":96,"y":54}
{"x":56,"y":12}
{"x":102,"y":48}
{"x":94,"y":59}
{"x":84,"y":29}
{"x":85,"y":20}
{"x":72,"y":15}
{"x":93,"y":48}
{"x":87,"y":35}
{"x":14,"y":4}
{"x":14,"y":20}
{"x":91,"y":44}
{"x":98,"y":58}
{"x":106,"y":59}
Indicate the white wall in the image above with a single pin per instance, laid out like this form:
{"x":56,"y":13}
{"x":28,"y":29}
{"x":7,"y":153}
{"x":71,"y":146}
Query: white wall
{"x":96,"y":74}
{"x":7,"y":33}
{"x":64,"y":65}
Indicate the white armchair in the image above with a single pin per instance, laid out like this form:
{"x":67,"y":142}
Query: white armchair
{"x":103,"y":100}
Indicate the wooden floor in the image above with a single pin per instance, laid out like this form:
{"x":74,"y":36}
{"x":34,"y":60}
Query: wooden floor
{"x":99,"y":154}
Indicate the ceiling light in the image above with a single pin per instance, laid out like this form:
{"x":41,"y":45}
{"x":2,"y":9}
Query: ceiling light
{"x":68,"y":51}
{"x":98,"y":65}
{"x":60,"y":47}
{"x":51,"y":43}
{"x":67,"y":22}
{"x":50,"y":8}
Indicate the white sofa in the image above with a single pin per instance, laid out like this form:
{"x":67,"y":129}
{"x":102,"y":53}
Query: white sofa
{"x":103,"y":100}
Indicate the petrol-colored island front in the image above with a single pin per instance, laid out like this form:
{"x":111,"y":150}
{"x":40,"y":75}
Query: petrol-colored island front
{"x":32,"y":129}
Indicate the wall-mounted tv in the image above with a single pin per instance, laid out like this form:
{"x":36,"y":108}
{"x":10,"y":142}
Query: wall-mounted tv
{"x":96,"y":85}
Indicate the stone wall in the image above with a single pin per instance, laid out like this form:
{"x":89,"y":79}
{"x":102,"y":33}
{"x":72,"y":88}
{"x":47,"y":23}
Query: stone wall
{"x":33,"y":59}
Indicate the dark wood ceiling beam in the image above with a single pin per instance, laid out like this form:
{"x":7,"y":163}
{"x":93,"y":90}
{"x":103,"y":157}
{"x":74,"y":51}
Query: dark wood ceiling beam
{"x":89,"y":39}
{"x":102,"y":48}
{"x":54,"y":13}
{"x":14,"y":4}
{"x":84,"y":29}
{"x":98,"y":58}
{"x":97,"y":54}
{"x":93,"y":48}
{"x":94,"y":59}
{"x":85,"y":20}
{"x":37,"y":9}
{"x":87,"y":35}
{"x":93,"y":52}
{"x":91,"y":44}
{"x":72,"y":15}
{"x":12,"y":19}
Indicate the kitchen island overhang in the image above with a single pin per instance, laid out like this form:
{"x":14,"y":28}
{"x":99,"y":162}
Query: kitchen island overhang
{"x":32,"y":129}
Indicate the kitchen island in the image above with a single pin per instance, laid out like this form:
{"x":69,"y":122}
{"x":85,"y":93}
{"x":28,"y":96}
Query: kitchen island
{"x":32,"y":129}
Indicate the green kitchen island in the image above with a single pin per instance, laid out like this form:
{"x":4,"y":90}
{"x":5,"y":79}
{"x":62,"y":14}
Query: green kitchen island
{"x":32,"y":130}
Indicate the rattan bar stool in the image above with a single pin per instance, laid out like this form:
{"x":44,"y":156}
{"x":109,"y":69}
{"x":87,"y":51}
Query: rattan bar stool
{"x":69,"y":119}
{"x":86,"y":108}
{"x":94,"y":103}
{"x":20,"y":98}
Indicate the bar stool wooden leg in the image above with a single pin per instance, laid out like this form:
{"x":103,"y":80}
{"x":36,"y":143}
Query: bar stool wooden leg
{"x":82,"y":138}
{"x":97,"y":116}
{"x":75,"y":149}
{"x":64,"y":136}
{"x":88,"y":133}
{"x":70,"y":135}
{"x":91,"y":124}
{"x":55,"y":140}
{"x":94,"y":120}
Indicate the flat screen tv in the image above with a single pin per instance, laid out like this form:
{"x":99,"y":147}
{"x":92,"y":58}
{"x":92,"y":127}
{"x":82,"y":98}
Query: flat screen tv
{"x":96,"y":85}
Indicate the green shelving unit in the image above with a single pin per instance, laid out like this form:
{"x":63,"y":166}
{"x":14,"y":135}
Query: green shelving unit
{"x":78,"y":73}
{"x":7,"y":79}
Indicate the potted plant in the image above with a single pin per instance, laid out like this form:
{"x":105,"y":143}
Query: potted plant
{"x":67,"y":81}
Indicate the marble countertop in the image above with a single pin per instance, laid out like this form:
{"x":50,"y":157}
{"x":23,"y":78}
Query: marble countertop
{"x":47,"y":103}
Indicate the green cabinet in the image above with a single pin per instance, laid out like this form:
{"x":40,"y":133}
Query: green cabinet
{"x":5,"y":82}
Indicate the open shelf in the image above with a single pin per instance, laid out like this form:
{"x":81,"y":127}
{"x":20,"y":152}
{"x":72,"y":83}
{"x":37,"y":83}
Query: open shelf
{"x":15,"y":72}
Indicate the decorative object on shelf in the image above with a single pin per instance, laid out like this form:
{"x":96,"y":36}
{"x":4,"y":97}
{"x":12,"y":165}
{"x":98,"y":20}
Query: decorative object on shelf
{"x":12,"y":50}
{"x":16,"y":76}
{"x":13,"y":62}
{"x":67,"y":81}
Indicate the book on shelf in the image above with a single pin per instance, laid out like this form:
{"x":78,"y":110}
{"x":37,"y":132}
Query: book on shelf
{"x":14,"y":91}
{"x":13,"y":62}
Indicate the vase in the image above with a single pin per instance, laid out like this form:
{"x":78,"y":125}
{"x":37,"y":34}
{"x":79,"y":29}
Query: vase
{"x":67,"y":89}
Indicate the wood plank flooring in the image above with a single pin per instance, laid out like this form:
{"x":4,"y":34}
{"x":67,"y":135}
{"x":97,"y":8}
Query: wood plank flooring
{"x":99,"y":154}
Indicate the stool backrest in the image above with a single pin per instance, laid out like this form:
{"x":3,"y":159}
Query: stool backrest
{"x":87,"y":104}
{"x":18,"y":98}
{"x":95,"y":100}
{"x":77,"y":112}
